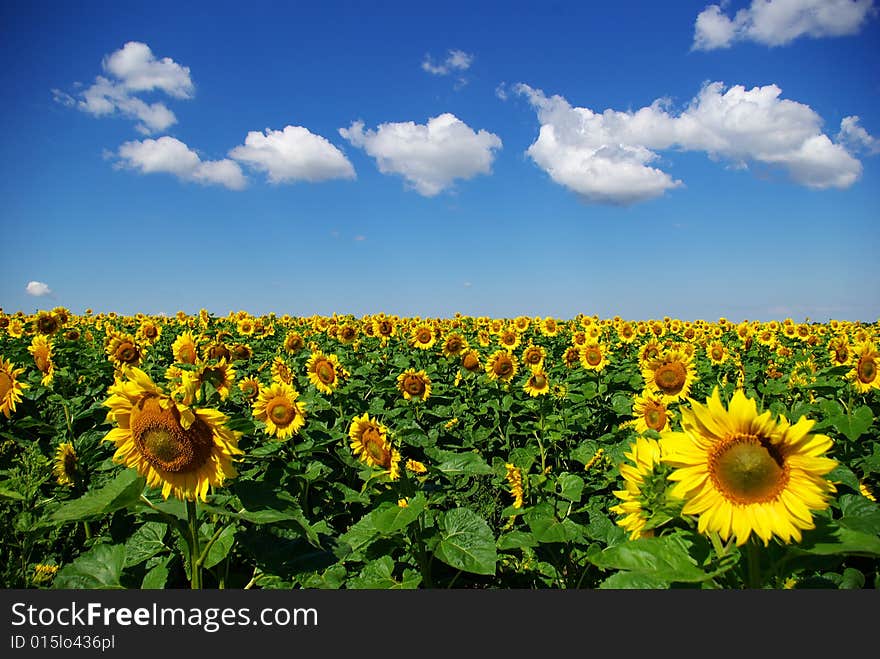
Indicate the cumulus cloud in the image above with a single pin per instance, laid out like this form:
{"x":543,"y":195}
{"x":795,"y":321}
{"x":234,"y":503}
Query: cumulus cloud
{"x":131,"y":70}
{"x":456,"y":60}
{"x":293,"y":154}
{"x":857,"y":138}
{"x":779,"y":22}
{"x":611,"y":157}
{"x":37,"y":289}
{"x":431,"y":156}
{"x":171,"y":156}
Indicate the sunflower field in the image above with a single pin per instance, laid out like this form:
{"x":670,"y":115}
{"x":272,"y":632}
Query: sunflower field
{"x":380,"y":452}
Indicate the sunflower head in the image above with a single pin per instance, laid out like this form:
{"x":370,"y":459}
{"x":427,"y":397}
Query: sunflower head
{"x":865,"y":361}
{"x":181,"y":450}
{"x":123,"y":350}
{"x":277,"y":406}
{"x":370,"y":444}
{"x":501,"y":366}
{"x":647,"y":500}
{"x":66,"y":464}
{"x":593,"y":356}
{"x":324,"y":371}
{"x":671,"y":374}
{"x":10,"y":387}
{"x":741,"y":472}
{"x":538,"y":383}
{"x":414,"y":384}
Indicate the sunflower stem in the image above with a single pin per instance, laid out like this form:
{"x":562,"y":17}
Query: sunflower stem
{"x":753,"y":558}
{"x":195,"y":560}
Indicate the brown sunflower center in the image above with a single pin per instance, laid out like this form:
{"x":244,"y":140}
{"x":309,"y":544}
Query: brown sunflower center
{"x":538,"y":381}
{"x":655,"y":417}
{"x":69,"y":463}
{"x":150,"y":331}
{"x":41,"y":360}
{"x":126,"y":352}
{"x":470,"y":362}
{"x":414,"y":385}
{"x":5,"y":384}
{"x":424,"y":335}
{"x":593,"y":356}
{"x":867,"y":370}
{"x":747,"y":469}
{"x":533,"y":357}
{"x":250,"y":390}
{"x":214,"y":375}
{"x":375,"y":446}
{"x":280,"y":411}
{"x":385,"y":328}
{"x":187,"y":354}
{"x":453,"y":344}
{"x":326,"y":372}
{"x":670,"y":377}
{"x":47,"y":325}
{"x":717,"y":352}
{"x":502,"y":367}
{"x":219,"y":351}
{"x":163,"y":442}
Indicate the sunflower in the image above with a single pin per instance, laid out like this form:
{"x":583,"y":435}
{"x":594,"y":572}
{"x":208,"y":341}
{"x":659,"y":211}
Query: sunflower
{"x":347,"y":333}
{"x":246,"y":326}
{"x":281,"y":371}
{"x":10,"y":387}
{"x":185,"y":348}
{"x":369,"y":442}
{"x":839,"y":351}
{"x":384,"y":327}
{"x":220,"y":376}
{"x":743,"y":473}
{"x":422,"y":336}
{"x":250,"y":389}
{"x":414,"y":384}
{"x":148,"y":332}
{"x":181,"y":450}
{"x":864,"y":371}
{"x":648,"y":499}
{"x":626,"y":332}
{"x":416,"y":467}
{"x":46,"y":323}
{"x":548,"y":326}
{"x":470,"y":361}
{"x":122,"y":350}
{"x":670,"y":374}
{"x":515,"y":481}
{"x":241,"y":352}
{"x":533,"y":355}
{"x":294,"y":342}
{"x":66,"y":464}
{"x":538,"y":384}
{"x":323,"y":371}
{"x":717,"y":353}
{"x":593,"y":356}
{"x":277,"y":406}
{"x":509,"y":339}
{"x":502,"y":365}
{"x":454,"y":344}
{"x":217,"y":350}
{"x":571,"y":357}
{"x":650,"y":412}
{"x":41,"y":349}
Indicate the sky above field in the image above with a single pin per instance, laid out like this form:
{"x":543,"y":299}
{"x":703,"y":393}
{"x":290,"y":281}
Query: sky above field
{"x":640,"y":159}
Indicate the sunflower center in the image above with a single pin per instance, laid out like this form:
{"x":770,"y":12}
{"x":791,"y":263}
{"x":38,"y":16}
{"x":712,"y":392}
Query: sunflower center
{"x":250,"y":390}
{"x":747,"y":469}
{"x":717,"y":353}
{"x":414,"y":385}
{"x":374,"y":445}
{"x":188,"y":354}
{"x":503,"y":367}
{"x":5,"y":384}
{"x":470,"y":362}
{"x":453,"y":345}
{"x":163,"y":442}
{"x":214,"y":376}
{"x":47,"y":325}
{"x":533,"y":357}
{"x":538,"y":381}
{"x":280,"y":411}
{"x":126,"y":353}
{"x":670,"y":378}
{"x":867,"y":370}
{"x":593,"y":356}
{"x":424,"y":336}
{"x":655,"y":418}
{"x":326,"y":372}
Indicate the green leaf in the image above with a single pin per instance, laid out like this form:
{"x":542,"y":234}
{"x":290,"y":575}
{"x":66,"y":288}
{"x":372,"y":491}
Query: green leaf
{"x":547,"y":528}
{"x":852,"y":579}
{"x":330,"y":579}
{"x":157,"y":577}
{"x":145,"y":543}
{"x":378,"y":575}
{"x":394,"y":518}
{"x":99,"y":568}
{"x":855,"y":424}
{"x":842,"y":474}
{"x":220,"y":549}
{"x":665,"y":558}
{"x":122,"y":492}
{"x":860,"y":514}
{"x":633,"y":580}
{"x":454,"y":464}
{"x":571,"y":487}
{"x":466,"y":542}
{"x":829,"y":538}
{"x":516,"y":540}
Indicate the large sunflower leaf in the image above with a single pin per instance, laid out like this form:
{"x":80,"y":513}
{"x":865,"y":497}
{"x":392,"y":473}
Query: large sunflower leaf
{"x":665,"y":558}
{"x":466,"y":542}
{"x":122,"y":492}
{"x":99,"y":568}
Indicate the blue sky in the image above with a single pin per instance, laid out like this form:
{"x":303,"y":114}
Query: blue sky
{"x":639,"y":159}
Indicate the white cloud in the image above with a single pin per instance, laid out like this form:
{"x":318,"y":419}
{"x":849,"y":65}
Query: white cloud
{"x":171,"y":156}
{"x":429,"y":156}
{"x":139,"y":70}
{"x":611,"y":157}
{"x":131,"y":70}
{"x":856,"y":137}
{"x":456,"y":60}
{"x":37,"y":289}
{"x":293,"y":154}
{"x":779,"y":22}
